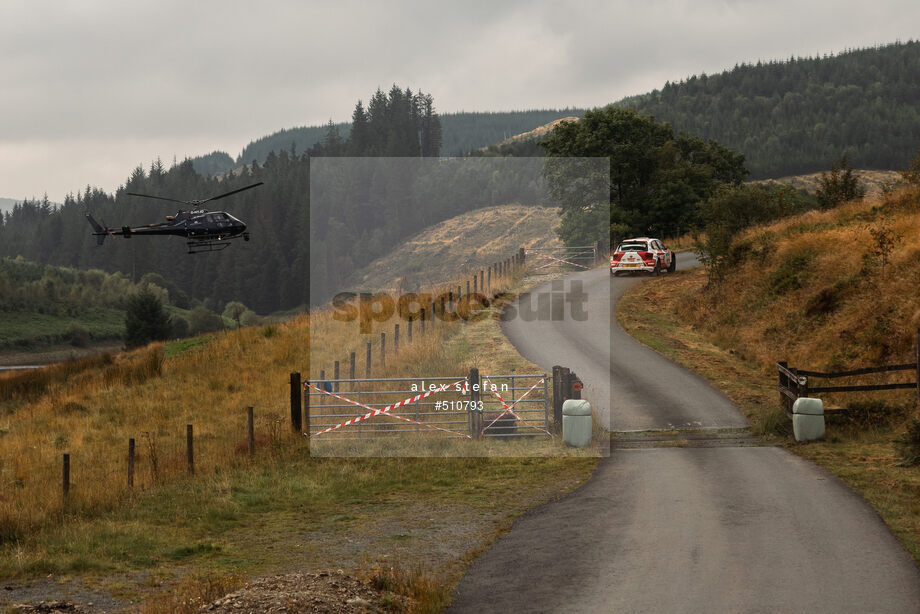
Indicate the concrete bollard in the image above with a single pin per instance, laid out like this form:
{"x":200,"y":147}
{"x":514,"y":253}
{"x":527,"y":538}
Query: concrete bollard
{"x":576,"y":422}
{"x":808,"y":419}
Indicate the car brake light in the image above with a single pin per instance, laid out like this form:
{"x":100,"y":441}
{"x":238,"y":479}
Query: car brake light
{"x":616,"y":257}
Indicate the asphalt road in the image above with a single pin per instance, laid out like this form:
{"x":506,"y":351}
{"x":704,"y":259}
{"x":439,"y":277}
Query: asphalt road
{"x":697,"y":529}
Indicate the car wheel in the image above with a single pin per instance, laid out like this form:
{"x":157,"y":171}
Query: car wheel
{"x":673,"y":266}
{"x":657,"y":270}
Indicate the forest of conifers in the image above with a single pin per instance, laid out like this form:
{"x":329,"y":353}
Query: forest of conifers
{"x":272,"y":271}
{"x":785,"y":117}
{"x":461,"y":133}
{"x":801,"y":115}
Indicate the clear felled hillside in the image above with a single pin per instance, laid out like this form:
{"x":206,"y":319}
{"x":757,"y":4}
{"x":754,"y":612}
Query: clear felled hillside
{"x":874,"y":182}
{"x":464,"y":242}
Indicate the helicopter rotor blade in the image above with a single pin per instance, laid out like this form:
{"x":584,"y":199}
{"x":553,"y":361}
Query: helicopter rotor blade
{"x":172,"y":200}
{"x":201,"y":202}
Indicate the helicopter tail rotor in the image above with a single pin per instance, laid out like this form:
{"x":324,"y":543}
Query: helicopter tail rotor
{"x":99,"y":231}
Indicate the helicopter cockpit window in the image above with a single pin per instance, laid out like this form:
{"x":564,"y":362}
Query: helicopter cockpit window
{"x":218,"y":219}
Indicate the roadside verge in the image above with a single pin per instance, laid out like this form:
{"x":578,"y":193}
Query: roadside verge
{"x":862,"y":457}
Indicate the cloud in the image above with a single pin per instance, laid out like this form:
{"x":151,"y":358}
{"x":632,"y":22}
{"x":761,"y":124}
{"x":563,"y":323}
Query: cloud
{"x":91,"y":88}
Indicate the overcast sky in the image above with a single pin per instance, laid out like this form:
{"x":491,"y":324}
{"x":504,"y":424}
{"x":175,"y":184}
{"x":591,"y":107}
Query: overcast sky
{"x":92,"y":88}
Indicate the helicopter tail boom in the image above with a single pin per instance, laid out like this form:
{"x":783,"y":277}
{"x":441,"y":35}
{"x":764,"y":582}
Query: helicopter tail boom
{"x":99,"y":231}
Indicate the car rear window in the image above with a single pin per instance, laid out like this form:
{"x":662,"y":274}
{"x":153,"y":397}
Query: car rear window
{"x":632,"y":247}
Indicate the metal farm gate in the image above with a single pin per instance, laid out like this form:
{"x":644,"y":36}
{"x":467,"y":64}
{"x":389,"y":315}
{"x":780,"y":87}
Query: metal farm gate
{"x":578,"y":257}
{"x":468,"y":406}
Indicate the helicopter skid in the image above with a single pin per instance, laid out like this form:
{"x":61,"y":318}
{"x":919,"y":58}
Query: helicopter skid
{"x":201,"y":247}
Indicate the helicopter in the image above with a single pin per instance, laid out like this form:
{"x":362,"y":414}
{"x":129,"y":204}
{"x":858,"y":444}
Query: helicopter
{"x":207,"y":231}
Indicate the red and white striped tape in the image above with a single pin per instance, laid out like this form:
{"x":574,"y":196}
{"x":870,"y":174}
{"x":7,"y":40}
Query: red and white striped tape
{"x":556,"y":259}
{"x":386,"y":410}
{"x":509,"y":409}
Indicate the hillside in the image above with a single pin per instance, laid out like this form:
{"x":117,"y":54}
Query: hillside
{"x":874,"y":181}
{"x":809,"y":287}
{"x":6,"y":204}
{"x":539,"y":131}
{"x":461,"y":132}
{"x":825,"y":291}
{"x":463,"y":242}
{"x":280,"y":507}
{"x":797,"y":116}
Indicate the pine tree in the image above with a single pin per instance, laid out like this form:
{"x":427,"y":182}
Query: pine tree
{"x":358,"y":141}
{"x":145,"y":320}
{"x":839,"y":186}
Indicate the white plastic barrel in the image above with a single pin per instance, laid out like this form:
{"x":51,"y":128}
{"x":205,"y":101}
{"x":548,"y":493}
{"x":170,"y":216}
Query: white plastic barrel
{"x":576,"y":422}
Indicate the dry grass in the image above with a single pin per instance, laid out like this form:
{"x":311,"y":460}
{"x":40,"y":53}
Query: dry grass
{"x":810,"y":290}
{"x":239,"y":517}
{"x":539,"y":131}
{"x":92,"y":413}
{"x":465,"y":242}
{"x":874,"y":181}
{"x":91,"y":408}
{"x":191,"y":594}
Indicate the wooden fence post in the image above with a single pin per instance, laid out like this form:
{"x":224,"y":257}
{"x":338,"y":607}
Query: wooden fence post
{"x":917,"y":352}
{"x":557,"y":399}
{"x":351,"y":368}
{"x":131,"y":462}
{"x":65,"y":477}
{"x":422,"y":322}
{"x":409,"y":329}
{"x":467,"y":287}
{"x":795,"y":386}
{"x":367,"y":362}
{"x":383,"y":350}
{"x":296,"y":422}
{"x":306,"y":411}
{"x":251,"y":430}
{"x":475,"y":279}
{"x":475,"y":397}
{"x":490,"y":278}
{"x":396,"y":339}
{"x":802,"y":386}
{"x":335,"y":375}
{"x":189,"y":445}
{"x":560,"y":391}
{"x":783,"y":383}
{"x":574,"y":391}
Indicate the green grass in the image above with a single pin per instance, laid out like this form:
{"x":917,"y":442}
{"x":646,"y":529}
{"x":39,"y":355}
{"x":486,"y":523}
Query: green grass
{"x":260,"y":517}
{"x":29,"y":329}
{"x":174,"y":348}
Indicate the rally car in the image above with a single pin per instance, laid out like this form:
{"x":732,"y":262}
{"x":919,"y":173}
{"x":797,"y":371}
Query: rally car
{"x":642,"y":254}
